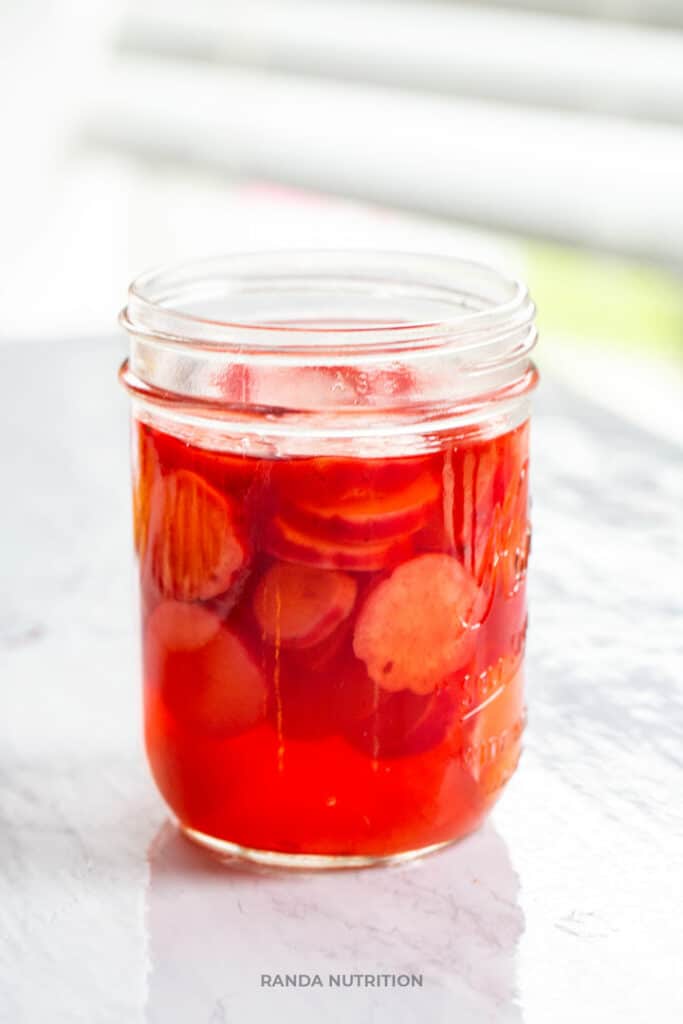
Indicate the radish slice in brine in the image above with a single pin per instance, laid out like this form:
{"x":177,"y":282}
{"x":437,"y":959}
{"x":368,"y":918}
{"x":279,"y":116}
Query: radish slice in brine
{"x":416,"y":628}
{"x":286,"y":542}
{"x":204,"y":672}
{"x":369,"y":515}
{"x":299,"y":606}
{"x":195,"y":547}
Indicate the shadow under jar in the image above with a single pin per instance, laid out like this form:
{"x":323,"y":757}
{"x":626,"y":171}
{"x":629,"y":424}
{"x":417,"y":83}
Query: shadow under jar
{"x":330,"y":490}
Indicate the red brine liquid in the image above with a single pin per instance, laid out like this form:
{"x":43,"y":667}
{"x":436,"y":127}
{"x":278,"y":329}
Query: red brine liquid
{"x":332,"y":646}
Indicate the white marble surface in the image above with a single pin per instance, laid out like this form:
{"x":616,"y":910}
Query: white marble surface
{"x":565,"y":907}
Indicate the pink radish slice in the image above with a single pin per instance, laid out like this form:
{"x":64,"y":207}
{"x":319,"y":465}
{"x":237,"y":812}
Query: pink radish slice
{"x":290,"y":544}
{"x":194,"y":548}
{"x":369,"y":515}
{"x":174,"y":627}
{"x":204,"y":672}
{"x":298,"y":606}
{"x":414,"y":630}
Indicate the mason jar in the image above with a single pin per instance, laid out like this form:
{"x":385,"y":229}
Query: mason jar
{"x":330,"y":495}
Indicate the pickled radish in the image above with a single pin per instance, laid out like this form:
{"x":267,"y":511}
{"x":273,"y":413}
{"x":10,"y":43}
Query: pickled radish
{"x":196,"y":548}
{"x":415,"y":629}
{"x":329,"y":480}
{"x":178,"y":627}
{"x":231,"y":472}
{"x":369,"y":515}
{"x":474,"y":513}
{"x":502,"y":550}
{"x":298,"y":606}
{"x":204,"y":672}
{"x":491,"y":521}
{"x":290,"y":544}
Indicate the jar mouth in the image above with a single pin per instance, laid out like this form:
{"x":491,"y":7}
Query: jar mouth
{"x":329,"y":304}
{"x":303,"y":344}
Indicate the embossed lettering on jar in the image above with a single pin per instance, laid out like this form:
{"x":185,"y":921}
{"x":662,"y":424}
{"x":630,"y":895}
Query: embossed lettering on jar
{"x":330,"y":496}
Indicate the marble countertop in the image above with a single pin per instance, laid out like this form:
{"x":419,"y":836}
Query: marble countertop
{"x":566,"y":906}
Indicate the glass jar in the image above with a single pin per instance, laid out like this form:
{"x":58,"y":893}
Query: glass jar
{"x":330,"y":492}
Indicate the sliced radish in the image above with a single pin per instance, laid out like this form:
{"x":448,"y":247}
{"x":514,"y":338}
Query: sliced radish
{"x":233,"y":472}
{"x":473,"y":513}
{"x":491,"y":517}
{"x":414,"y":630}
{"x":329,"y":480}
{"x":299,"y":606}
{"x":205,"y":674}
{"x":367,"y":515}
{"x":285,"y":541}
{"x":195,"y":548}
{"x":175,"y":627}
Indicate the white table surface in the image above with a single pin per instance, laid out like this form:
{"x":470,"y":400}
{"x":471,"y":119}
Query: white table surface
{"x":566,"y":906}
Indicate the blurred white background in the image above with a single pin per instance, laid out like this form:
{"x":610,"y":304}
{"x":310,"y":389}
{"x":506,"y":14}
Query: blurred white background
{"x":546,"y":136}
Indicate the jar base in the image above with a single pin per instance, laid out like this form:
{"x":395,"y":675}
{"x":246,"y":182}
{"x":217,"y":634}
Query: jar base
{"x":226,"y":850}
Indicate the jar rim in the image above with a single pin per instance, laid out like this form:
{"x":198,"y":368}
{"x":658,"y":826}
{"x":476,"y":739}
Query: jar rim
{"x":482,"y":306}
